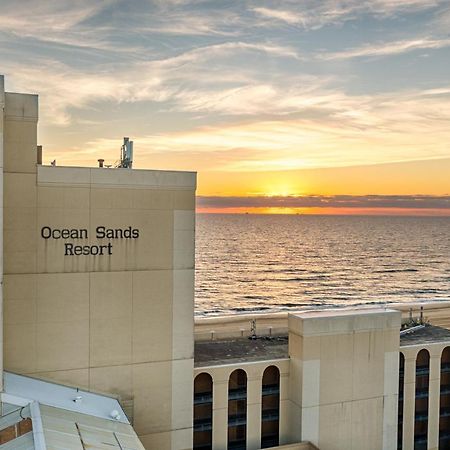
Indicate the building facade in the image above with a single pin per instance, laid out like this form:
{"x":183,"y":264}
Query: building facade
{"x":98,"y":287}
{"x":340,"y":379}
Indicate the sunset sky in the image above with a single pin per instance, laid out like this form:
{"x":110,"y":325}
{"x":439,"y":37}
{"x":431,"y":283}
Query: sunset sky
{"x":294,"y":106}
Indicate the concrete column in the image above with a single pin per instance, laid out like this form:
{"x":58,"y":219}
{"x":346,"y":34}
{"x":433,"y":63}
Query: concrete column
{"x":293,"y":431}
{"x":284,"y":408}
{"x":391,"y":371}
{"x":409,"y":400}
{"x":220,"y":414}
{"x":254,"y":388}
{"x":433,"y":399}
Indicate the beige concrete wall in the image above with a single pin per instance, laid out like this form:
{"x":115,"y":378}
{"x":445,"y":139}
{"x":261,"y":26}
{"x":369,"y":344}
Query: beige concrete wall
{"x":254,"y":370}
{"x":19,"y":148}
{"x":119,"y":323}
{"x":343,"y":376}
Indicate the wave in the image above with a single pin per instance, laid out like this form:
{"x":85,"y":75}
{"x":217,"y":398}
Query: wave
{"x":395,"y":270}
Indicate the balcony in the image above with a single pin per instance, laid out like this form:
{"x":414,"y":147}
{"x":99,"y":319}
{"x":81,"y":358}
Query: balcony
{"x":202,"y":398}
{"x":420,"y":442}
{"x":443,"y":439}
{"x":270,"y":415}
{"x":237,"y":394}
{"x":237,"y":445}
{"x":423,"y":393}
{"x":237,"y":420}
{"x":271,"y":389}
{"x":204,"y":424}
{"x":202,"y":447}
{"x":425,"y":370}
{"x":270,"y":440}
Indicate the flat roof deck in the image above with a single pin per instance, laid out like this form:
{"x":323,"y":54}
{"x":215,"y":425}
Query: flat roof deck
{"x":426,"y":335}
{"x":243,"y":349}
{"x":239,"y":350}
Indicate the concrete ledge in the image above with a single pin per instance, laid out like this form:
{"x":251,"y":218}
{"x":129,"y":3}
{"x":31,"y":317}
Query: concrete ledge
{"x":299,"y":446}
{"x":110,"y":178}
{"x":343,"y":321}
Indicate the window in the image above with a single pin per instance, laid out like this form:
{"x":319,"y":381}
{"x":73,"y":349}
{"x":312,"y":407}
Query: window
{"x":203,"y":411}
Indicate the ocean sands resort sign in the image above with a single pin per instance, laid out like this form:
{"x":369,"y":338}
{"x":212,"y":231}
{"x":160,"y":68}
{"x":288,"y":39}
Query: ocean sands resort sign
{"x":72,"y":236}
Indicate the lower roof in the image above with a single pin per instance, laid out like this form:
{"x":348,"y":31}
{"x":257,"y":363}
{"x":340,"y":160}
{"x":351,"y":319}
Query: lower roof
{"x":426,"y":335}
{"x":239,"y":350}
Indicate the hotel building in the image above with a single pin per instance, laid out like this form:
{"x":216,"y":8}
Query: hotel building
{"x":100,"y":349}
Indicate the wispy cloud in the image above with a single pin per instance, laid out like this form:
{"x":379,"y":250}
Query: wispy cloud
{"x":268,"y":122}
{"x":315,"y":14}
{"x":54,"y":22}
{"x":362,"y":130}
{"x":190,"y":79}
{"x":388,"y":48}
{"x":290,"y":17}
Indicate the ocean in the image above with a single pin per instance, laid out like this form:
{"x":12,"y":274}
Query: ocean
{"x":252,"y":263}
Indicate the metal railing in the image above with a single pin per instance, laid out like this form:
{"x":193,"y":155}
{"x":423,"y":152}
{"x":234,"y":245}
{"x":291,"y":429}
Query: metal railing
{"x":237,"y":393}
{"x":204,"y":424}
{"x":270,"y":389}
{"x":270,"y":415}
{"x":237,"y":420}
{"x":202,"y":398}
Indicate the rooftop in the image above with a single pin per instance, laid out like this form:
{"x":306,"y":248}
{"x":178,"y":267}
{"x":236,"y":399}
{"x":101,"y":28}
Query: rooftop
{"x":240,"y":350}
{"x":23,"y":388}
{"x":425,"y":335}
{"x":39,"y":415}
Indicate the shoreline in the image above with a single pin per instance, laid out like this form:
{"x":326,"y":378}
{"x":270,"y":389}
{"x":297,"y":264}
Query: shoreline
{"x":237,"y":325}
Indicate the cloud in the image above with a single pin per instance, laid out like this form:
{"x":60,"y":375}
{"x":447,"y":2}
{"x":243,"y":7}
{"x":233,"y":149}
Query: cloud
{"x":54,"y":22}
{"x":200,"y":81}
{"x":312,"y":14}
{"x":110,"y":25}
{"x":320,"y":201}
{"x":290,"y":17}
{"x":190,"y":79}
{"x":353,"y":131}
{"x":263,"y":121}
{"x":388,"y":48}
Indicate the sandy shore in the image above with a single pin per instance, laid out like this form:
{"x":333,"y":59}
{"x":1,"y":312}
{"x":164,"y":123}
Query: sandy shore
{"x":233,"y":325}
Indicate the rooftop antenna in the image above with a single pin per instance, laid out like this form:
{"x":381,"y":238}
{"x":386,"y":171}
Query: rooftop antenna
{"x":126,"y":154}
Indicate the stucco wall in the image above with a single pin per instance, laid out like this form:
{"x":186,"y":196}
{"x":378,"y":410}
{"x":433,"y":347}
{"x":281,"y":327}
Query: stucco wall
{"x":344,"y":378}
